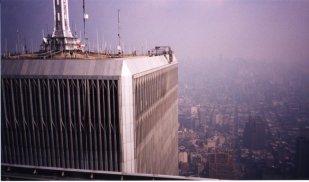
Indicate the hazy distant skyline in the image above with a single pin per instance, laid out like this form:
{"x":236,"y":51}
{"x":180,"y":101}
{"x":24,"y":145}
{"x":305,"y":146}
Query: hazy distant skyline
{"x":199,"y":29}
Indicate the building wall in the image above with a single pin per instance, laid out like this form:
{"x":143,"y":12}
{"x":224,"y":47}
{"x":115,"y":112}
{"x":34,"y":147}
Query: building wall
{"x":65,"y":123}
{"x":114,"y":115}
{"x":127,"y":121}
{"x":156,"y":121}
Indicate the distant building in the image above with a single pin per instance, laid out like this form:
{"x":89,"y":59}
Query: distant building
{"x":302,"y":158}
{"x":219,"y":119}
{"x":194,"y":112}
{"x":221,"y":166}
{"x":184,"y":169}
{"x":255,"y":133}
{"x":185,"y":121}
{"x":195,"y":117}
{"x":183,"y":157}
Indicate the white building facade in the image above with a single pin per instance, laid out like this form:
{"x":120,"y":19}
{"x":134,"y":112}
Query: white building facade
{"x":104,"y":115}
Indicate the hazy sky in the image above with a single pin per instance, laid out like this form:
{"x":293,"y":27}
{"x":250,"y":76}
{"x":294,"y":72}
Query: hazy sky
{"x":199,"y":29}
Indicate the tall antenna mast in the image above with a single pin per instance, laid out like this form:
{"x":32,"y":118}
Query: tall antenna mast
{"x":119,"y":46}
{"x":84,"y":13}
{"x":85,"y":18}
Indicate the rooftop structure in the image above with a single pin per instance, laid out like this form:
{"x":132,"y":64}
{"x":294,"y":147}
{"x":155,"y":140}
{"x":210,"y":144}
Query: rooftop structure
{"x":62,"y":37}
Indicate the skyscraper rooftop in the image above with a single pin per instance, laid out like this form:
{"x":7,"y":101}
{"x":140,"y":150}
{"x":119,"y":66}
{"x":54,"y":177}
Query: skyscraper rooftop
{"x":71,"y":109}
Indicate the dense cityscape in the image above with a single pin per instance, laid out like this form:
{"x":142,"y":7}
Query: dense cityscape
{"x":242,"y":119}
{"x":117,"y":92}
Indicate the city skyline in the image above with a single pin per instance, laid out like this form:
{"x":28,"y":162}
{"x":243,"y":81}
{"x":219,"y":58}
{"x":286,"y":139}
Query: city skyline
{"x":244,"y":120}
{"x":237,"y":108}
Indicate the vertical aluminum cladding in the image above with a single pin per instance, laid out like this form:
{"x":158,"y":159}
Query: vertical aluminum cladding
{"x":111,"y":115}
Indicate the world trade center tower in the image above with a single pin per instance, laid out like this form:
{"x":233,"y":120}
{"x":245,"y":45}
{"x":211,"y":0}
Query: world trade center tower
{"x":114,"y":114}
{"x":89,"y":112}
